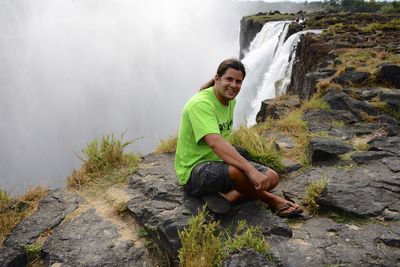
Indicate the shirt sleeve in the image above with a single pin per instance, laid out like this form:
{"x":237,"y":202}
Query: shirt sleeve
{"x":204,"y":120}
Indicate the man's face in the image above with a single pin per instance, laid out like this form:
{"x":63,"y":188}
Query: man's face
{"x":228,"y":85}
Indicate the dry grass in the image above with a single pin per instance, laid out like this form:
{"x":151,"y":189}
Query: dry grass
{"x":14,"y":209}
{"x":260,"y":148}
{"x":167,"y":146}
{"x":313,"y":190}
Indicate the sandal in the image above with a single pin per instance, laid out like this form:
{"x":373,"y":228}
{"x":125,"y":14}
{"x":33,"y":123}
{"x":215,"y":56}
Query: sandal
{"x":280,"y":210}
{"x":217,"y":203}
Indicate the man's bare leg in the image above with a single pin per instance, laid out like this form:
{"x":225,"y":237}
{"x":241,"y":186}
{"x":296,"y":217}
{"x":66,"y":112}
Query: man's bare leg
{"x":247,"y":188}
{"x":233,"y":196}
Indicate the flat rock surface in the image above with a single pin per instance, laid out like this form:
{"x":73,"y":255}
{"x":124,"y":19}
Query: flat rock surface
{"x":90,"y":240}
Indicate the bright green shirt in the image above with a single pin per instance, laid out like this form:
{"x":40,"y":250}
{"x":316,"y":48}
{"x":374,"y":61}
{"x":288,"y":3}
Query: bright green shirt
{"x":203,"y":114}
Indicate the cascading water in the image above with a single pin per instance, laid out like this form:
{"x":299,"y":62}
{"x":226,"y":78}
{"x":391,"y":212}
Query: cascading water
{"x":269,"y":64}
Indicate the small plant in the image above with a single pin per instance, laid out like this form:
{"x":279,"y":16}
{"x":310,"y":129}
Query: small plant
{"x":346,"y":156}
{"x":361,"y":146}
{"x":259,"y":148}
{"x":316,"y":102}
{"x":201,"y":244}
{"x":292,"y":122}
{"x":167,"y":146}
{"x":313,"y":190}
{"x":33,"y":252}
{"x":120,"y":208}
{"x":248,"y":237}
{"x":104,"y":162}
{"x":338,"y":124}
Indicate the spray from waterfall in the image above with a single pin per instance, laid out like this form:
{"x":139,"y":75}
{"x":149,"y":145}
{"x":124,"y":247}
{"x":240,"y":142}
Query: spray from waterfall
{"x":269,"y":64}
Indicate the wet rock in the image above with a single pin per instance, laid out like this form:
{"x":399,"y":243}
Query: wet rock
{"x":246,"y":257}
{"x":89,"y":240}
{"x":365,"y":157}
{"x":323,"y":149}
{"x":389,"y":73}
{"x":13,"y":257}
{"x":51,"y":211}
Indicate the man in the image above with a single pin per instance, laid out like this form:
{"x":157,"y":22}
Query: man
{"x":208,"y":165}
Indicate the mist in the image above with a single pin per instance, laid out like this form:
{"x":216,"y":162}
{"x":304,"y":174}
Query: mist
{"x":75,"y":70}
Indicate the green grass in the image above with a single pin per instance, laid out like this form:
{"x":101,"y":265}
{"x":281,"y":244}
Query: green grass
{"x":203,"y":244}
{"x":313,"y":190}
{"x":347,"y":218}
{"x":33,"y":252}
{"x":259,"y":147}
{"x":316,"y":102}
{"x":14,"y":209}
{"x":104,"y":163}
{"x":338,"y":124}
{"x":167,"y":146}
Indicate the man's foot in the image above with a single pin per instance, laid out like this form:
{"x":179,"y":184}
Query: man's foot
{"x":288,"y":209}
{"x":217,"y":203}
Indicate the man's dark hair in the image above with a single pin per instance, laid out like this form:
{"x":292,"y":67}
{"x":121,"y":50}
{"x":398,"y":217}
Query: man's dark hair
{"x":223,"y":67}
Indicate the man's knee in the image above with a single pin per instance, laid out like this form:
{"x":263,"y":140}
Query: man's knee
{"x":235,"y":171}
{"x":273,"y":176}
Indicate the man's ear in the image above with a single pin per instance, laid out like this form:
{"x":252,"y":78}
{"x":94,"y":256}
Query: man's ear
{"x":216,"y":78}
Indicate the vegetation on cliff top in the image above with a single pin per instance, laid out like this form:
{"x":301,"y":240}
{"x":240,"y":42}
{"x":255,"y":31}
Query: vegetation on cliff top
{"x":14,"y":209}
{"x":104,"y":163}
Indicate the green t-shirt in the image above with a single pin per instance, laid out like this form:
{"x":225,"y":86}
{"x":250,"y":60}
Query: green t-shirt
{"x":203,"y":114}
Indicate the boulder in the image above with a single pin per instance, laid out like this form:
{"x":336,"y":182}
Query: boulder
{"x":364,"y":157}
{"x":389,"y":144}
{"x":389,"y":74}
{"x":352,"y":77}
{"x":324,"y":149}
{"x":276,"y":109}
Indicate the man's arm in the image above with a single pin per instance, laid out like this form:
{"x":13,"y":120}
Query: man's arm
{"x":229,"y":154}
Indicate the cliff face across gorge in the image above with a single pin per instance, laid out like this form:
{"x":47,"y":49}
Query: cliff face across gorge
{"x":338,"y":131}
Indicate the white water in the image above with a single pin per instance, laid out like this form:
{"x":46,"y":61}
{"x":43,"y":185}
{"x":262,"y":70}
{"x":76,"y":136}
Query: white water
{"x":271,"y":58}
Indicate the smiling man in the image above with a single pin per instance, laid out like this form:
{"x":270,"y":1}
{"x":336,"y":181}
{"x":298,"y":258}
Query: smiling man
{"x":207,"y":164}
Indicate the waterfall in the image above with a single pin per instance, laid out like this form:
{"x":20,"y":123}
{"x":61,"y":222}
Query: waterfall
{"x":269,"y":64}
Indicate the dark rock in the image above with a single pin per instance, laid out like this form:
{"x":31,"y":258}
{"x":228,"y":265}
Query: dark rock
{"x":159,"y":203}
{"x":392,"y":98}
{"x":246,"y":257}
{"x":392,"y":163}
{"x":323,"y":149}
{"x":389,"y":144}
{"x":363,"y":191}
{"x":89,"y":240}
{"x":389,"y":215}
{"x":351,"y":77}
{"x":291,"y":166}
{"x":339,"y":100}
{"x":365,"y":157}
{"x":322,"y":242}
{"x":13,"y":257}
{"x":390,"y":240}
{"x":310,"y":50}
{"x":248,"y":30}
{"x":276,"y":109}
{"x":322,"y":119}
{"x":51,"y":212}
{"x":389,"y":73}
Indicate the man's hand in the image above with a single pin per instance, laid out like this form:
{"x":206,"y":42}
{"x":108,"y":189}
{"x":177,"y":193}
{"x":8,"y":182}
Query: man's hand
{"x":260,"y":180}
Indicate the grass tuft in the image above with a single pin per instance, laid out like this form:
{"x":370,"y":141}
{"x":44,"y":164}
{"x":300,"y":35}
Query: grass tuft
{"x":14,"y":209}
{"x":104,"y":163}
{"x":203,"y":245}
{"x":316,"y":102}
{"x":167,"y":146}
{"x":260,"y":148}
{"x":33,"y":252}
{"x":313,"y":190}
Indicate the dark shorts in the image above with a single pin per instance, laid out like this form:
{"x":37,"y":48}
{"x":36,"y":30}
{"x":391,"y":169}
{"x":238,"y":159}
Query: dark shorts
{"x":213,"y":176}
